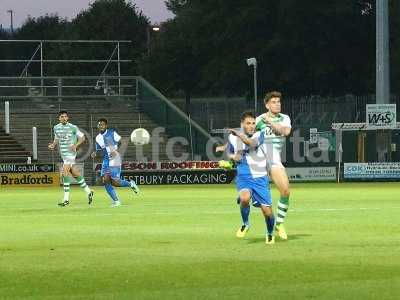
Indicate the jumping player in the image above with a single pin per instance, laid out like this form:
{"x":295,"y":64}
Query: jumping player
{"x":278,"y":127}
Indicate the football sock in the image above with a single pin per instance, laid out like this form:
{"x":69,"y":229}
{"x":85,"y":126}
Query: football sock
{"x":270,"y":221}
{"x":283,"y":206}
{"x":245,"y":211}
{"x":67,"y":183}
{"x":110,"y":190}
{"x":82,"y":184}
{"x":124,"y":183}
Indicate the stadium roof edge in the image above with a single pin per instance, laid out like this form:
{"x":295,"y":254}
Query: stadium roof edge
{"x":66,"y":41}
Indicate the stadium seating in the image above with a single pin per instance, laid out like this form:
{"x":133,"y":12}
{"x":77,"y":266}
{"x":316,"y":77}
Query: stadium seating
{"x":11,"y":150}
{"x":43,"y":115}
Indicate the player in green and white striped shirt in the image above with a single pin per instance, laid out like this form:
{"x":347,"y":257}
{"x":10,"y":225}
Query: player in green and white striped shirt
{"x":277,"y":127}
{"x":69,"y":138}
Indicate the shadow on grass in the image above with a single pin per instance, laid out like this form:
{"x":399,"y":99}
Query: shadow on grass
{"x":291,"y":237}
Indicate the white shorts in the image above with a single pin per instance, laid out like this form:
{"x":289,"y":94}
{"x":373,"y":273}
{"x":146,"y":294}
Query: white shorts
{"x":274,"y":159}
{"x":69,"y":160}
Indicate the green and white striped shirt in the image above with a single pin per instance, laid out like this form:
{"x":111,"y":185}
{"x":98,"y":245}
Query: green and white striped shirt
{"x":278,"y":141}
{"x":67,"y":135}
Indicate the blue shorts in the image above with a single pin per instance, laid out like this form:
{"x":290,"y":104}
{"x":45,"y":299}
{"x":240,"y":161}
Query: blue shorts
{"x":258,"y":188}
{"x":113,"y":172}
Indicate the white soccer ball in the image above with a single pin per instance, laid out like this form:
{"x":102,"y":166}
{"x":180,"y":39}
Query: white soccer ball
{"x":140,"y":137}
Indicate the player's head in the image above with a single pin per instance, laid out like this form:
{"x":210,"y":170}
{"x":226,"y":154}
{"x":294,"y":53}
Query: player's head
{"x":272,"y":102}
{"x":63,"y":117}
{"x":102,"y":124}
{"x":248,"y":122}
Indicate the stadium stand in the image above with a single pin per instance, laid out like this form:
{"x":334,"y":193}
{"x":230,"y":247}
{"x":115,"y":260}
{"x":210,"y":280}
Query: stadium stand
{"x":19,"y":143}
{"x":11,"y":150}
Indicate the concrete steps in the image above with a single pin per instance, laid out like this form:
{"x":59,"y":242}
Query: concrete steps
{"x":124,"y":121}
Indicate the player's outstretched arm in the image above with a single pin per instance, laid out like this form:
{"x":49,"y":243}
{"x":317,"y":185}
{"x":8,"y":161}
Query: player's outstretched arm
{"x":235,"y":156}
{"x":277,"y":128}
{"x":282,"y":130}
{"x":221,"y":148}
{"x":251,"y":142}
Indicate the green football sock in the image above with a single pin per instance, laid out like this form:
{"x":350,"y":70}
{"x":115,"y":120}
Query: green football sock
{"x":283,"y":206}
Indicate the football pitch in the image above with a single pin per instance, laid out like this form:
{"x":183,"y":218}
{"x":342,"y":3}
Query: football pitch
{"x":178,"y":242}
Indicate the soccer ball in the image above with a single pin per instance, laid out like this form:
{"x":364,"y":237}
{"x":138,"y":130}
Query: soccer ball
{"x":140,"y":137}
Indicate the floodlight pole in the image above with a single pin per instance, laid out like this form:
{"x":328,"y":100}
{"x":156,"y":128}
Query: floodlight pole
{"x":255,"y":88}
{"x":149,"y":29}
{"x":253,"y":62}
{"x":382,"y":52}
{"x":382,"y":70}
{"x":119,"y":68}
{"x":11,"y":12}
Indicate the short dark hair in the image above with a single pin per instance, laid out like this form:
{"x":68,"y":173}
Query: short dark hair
{"x":247,"y":114}
{"x":272,"y":94}
{"x":102,"y":120}
{"x":61,"y":112}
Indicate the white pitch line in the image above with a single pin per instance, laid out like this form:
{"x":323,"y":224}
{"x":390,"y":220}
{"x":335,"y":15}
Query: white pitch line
{"x":341,"y":209}
{"x":203,"y":212}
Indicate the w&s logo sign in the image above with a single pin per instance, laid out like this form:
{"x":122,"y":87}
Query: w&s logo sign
{"x":381,"y":116}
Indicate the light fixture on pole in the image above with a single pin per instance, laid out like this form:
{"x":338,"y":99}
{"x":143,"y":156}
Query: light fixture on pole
{"x":11,"y":12}
{"x":253,"y":62}
{"x":151,"y":28}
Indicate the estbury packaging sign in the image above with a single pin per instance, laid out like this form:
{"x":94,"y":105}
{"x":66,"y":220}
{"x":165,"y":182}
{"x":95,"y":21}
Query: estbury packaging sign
{"x":170,"y":172}
{"x":180,"y":177}
{"x":372,"y":170}
{"x":381,"y":116}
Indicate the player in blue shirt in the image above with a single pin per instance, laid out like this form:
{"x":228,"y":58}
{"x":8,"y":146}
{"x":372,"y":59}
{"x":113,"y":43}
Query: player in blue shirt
{"x":247,"y":148}
{"x":107,"y":142}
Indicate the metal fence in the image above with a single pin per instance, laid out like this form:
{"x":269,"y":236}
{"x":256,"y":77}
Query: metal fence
{"x":113,"y":93}
{"x":305,"y":112}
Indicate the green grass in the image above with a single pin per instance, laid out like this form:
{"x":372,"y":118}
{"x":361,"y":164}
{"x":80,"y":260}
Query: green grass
{"x":178,"y":242}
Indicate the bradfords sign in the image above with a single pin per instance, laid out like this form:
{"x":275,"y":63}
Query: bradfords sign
{"x":312,"y":174}
{"x":29,"y":179}
{"x":381,"y":116}
{"x":372,"y":170}
{"x":28,"y":175}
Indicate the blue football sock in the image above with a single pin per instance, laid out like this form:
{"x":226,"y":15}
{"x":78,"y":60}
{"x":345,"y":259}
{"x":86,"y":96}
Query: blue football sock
{"x":245,"y":211}
{"x":124,"y":183}
{"x":270,"y":221}
{"x":110,"y":190}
